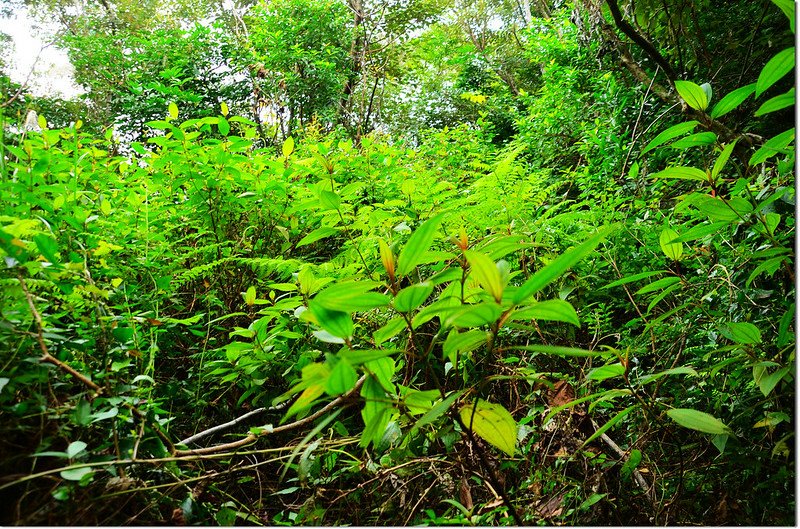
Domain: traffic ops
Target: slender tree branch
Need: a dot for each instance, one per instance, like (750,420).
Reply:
(251,437)
(640,41)
(47,357)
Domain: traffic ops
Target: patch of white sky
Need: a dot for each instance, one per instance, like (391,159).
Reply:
(35,59)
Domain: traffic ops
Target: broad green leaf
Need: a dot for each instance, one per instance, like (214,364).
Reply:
(722,159)
(605,372)
(718,209)
(694,140)
(561,264)
(375,413)
(700,231)
(47,246)
(288,147)
(75,474)
(682,173)
(732,100)
(342,379)
(788,7)
(223,126)
(634,277)
(173,110)
(418,402)
(316,235)
(250,296)
(659,284)
(684,370)
(463,342)
(329,200)
(672,132)
(325,336)
(548,310)
(419,243)
(775,69)
(492,423)
(698,420)
(103,415)
(768,383)
(75,448)
(473,315)
(412,296)
(437,411)
(336,322)
(673,250)
(693,94)
(351,296)
(361,356)
(773,146)
(391,329)
(741,332)
(558,350)
(776,103)
(486,273)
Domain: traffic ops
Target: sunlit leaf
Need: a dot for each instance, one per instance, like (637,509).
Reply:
(732,100)
(486,273)
(561,264)
(419,243)
(775,69)
(693,94)
(673,250)
(672,132)
(412,297)
(493,423)
(698,420)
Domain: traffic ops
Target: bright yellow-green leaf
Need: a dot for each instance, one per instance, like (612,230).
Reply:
(742,332)
(673,250)
(732,100)
(670,133)
(493,423)
(288,147)
(698,420)
(250,296)
(117,281)
(693,94)
(486,272)
(387,257)
(775,69)
(173,110)
(223,108)
(548,310)
(419,243)
(474,315)
(723,159)
(351,296)
(105,208)
(561,264)
(42,122)
(342,379)
(682,173)
(412,296)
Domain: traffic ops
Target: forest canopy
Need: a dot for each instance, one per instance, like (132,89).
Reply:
(401,262)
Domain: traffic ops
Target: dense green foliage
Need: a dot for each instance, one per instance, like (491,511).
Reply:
(473,269)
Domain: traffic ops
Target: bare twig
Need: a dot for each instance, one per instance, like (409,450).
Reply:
(269,430)
(230,424)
